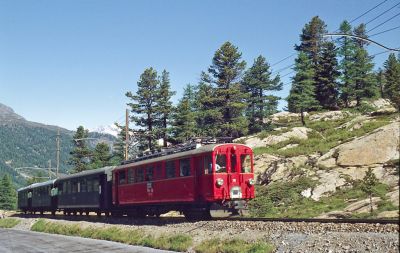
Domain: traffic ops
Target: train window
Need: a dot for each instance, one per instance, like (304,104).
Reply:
(60,187)
(95,185)
(207,164)
(170,169)
(220,163)
(122,177)
(140,175)
(233,162)
(157,172)
(83,185)
(149,173)
(89,185)
(184,167)
(131,176)
(74,186)
(245,162)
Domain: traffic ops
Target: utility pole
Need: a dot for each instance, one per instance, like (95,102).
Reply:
(49,169)
(126,133)
(58,151)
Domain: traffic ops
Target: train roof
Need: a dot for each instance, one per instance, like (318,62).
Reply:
(35,185)
(87,173)
(199,150)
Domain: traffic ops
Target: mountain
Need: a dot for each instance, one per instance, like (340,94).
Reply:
(25,143)
(109,129)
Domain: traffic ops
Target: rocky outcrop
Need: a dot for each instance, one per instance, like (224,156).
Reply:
(331,115)
(295,133)
(284,117)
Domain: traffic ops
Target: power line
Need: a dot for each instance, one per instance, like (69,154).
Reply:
(384,22)
(282,69)
(360,38)
(373,8)
(388,30)
(382,13)
(283,59)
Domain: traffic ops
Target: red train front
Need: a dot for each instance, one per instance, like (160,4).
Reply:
(190,181)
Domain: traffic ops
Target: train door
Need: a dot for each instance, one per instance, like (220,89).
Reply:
(234,179)
(197,172)
(115,188)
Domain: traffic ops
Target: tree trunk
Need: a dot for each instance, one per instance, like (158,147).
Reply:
(302,117)
(370,203)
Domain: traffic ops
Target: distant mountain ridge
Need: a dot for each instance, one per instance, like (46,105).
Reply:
(25,143)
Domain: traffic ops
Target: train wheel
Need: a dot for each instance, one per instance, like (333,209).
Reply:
(98,214)
(107,214)
(53,213)
(87,213)
(193,215)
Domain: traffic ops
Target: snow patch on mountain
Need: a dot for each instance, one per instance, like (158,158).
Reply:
(109,129)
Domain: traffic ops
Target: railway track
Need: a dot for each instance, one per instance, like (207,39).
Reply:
(230,218)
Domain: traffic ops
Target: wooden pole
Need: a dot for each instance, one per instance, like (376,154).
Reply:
(126,133)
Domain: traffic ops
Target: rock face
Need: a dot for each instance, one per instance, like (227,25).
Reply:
(284,117)
(331,115)
(379,147)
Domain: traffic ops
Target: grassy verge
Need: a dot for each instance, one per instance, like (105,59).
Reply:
(176,242)
(8,222)
(233,246)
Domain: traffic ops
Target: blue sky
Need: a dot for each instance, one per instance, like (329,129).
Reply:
(70,63)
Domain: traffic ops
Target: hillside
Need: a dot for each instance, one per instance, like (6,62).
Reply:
(316,170)
(28,144)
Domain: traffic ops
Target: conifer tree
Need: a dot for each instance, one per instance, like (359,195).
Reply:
(311,39)
(184,124)
(226,71)
(80,154)
(101,156)
(346,52)
(392,77)
(302,94)
(164,105)
(119,144)
(207,116)
(144,107)
(326,77)
(368,183)
(256,82)
(8,198)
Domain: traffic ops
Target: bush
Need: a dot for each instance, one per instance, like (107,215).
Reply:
(8,222)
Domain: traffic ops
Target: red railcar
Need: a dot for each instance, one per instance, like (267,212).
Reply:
(190,182)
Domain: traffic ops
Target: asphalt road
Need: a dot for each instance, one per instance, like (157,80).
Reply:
(18,241)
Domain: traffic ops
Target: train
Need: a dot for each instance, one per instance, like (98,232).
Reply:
(192,180)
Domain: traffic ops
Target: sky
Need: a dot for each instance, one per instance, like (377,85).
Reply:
(70,63)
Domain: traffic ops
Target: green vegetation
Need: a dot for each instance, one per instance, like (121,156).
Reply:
(325,136)
(8,222)
(177,242)
(8,196)
(284,199)
(233,246)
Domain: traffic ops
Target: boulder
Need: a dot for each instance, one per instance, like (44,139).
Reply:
(379,147)
(393,196)
(388,214)
(328,160)
(335,215)
(283,117)
(383,111)
(329,182)
(381,103)
(331,115)
(289,146)
(362,206)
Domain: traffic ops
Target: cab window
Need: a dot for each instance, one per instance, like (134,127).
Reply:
(140,175)
(184,167)
(245,161)
(220,163)
(207,164)
(131,176)
(149,174)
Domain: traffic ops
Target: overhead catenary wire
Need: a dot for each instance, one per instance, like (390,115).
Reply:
(388,30)
(383,22)
(368,11)
(384,12)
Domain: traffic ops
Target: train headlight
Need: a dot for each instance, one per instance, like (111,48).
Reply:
(251,181)
(220,182)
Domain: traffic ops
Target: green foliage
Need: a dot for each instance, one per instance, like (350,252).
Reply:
(368,184)
(9,222)
(164,105)
(8,196)
(38,177)
(256,82)
(176,242)
(184,124)
(144,106)
(392,78)
(101,156)
(233,246)
(80,155)
(226,70)
(302,94)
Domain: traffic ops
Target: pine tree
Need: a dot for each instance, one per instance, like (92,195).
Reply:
(302,94)
(392,77)
(327,74)
(8,198)
(207,116)
(381,82)
(346,52)
(311,39)
(184,126)
(101,156)
(368,183)
(256,82)
(164,105)
(144,107)
(80,154)
(226,71)
(119,145)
